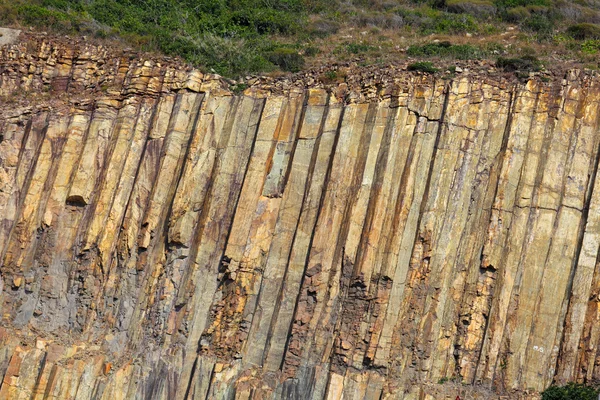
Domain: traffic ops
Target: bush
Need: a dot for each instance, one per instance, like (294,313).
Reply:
(450,23)
(194,30)
(229,57)
(311,51)
(379,20)
(330,77)
(323,28)
(39,16)
(584,31)
(445,49)
(517,3)
(480,8)
(423,66)
(571,391)
(428,21)
(526,63)
(590,46)
(357,48)
(238,88)
(286,59)
(538,23)
(516,14)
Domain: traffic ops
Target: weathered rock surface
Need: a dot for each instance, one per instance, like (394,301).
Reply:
(162,238)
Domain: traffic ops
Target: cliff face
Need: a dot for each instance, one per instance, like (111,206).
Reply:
(161,238)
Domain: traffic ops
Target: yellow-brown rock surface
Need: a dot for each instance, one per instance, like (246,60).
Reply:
(163,238)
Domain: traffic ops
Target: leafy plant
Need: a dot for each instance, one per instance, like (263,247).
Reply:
(527,63)
(479,8)
(357,48)
(445,49)
(227,56)
(231,37)
(517,3)
(590,46)
(584,31)
(571,391)
(287,59)
(423,66)
(238,88)
(428,20)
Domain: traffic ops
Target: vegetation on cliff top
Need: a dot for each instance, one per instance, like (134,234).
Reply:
(235,37)
(571,391)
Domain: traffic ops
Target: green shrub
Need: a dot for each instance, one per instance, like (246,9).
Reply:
(584,31)
(527,63)
(517,3)
(479,8)
(378,19)
(286,59)
(423,66)
(192,29)
(538,23)
(35,15)
(311,51)
(330,77)
(590,46)
(357,48)
(227,56)
(238,88)
(445,49)
(571,391)
(323,28)
(428,21)
(450,23)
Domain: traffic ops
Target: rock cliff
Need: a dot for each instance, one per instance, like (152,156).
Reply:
(164,238)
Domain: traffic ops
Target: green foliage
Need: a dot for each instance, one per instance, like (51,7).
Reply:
(429,21)
(352,48)
(229,36)
(323,27)
(287,59)
(236,37)
(584,31)
(36,15)
(227,56)
(535,17)
(478,8)
(517,3)
(527,63)
(238,88)
(311,51)
(447,50)
(452,23)
(357,48)
(539,23)
(331,76)
(423,66)
(571,391)
(590,46)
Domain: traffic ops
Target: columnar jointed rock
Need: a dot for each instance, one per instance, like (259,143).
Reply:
(163,238)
